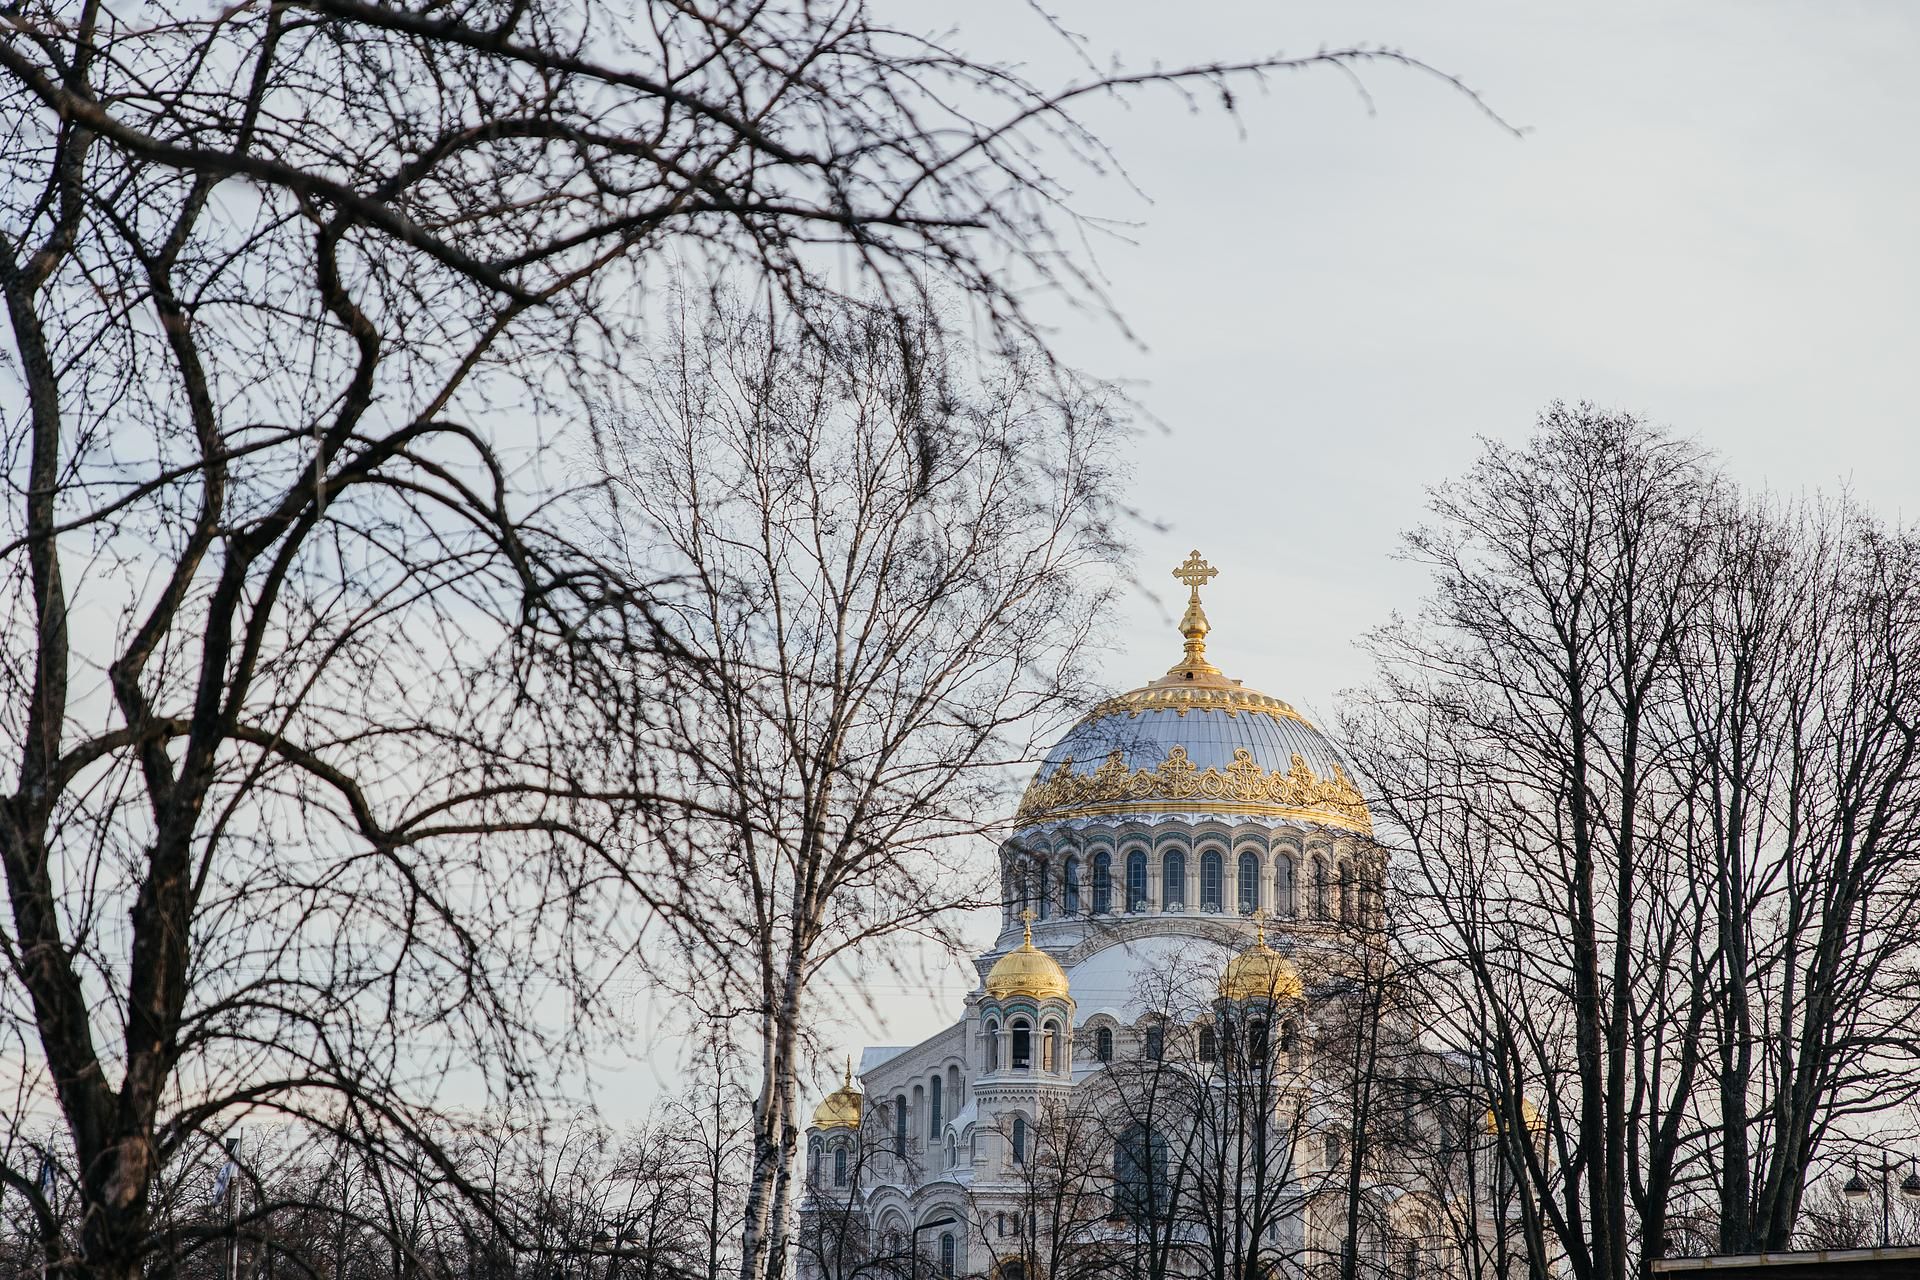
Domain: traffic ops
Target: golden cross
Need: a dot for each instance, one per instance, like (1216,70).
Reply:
(1027,917)
(1260,926)
(1195,572)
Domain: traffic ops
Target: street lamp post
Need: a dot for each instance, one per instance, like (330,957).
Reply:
(1858,1187)
(913,1243)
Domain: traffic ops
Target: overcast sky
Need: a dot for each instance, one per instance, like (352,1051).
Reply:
(1710,221)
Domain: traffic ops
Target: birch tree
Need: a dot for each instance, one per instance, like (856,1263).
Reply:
(889,564)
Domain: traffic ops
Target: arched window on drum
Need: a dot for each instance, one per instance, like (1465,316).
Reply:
(1283,885)
(1070,891)
(1249,885)
(1173,882)
(1137,881)
(1319,887)
(1102,883)
(1211,874)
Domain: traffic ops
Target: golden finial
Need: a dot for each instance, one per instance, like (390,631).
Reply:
(1195,573)
(1027,918)
(848,1078)
(1260,926)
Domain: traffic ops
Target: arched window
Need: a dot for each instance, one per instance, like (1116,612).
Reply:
(1257,1041)
(1289,1038)
(1019,1139)
(1102,883)
(933,1107)
(1022,1045)
(1331,1150)
(1346,894)
(1173,882)
(1026,889)
(1013,1268)
(1156,1042)
(956,1092)
(1209,1045)
(1210,877)
(1411,1268)
(1136,881)
(900,1125)
(953,1152)
(1000,1224)
(1050,1048)
(1070,899)
(1103,1044)
(1139,1173)
(1009,895)
(1283,885)
(813,1157)
(839,1166)
(1319,888)
(1042,897)
(1249,885)
(947,1251)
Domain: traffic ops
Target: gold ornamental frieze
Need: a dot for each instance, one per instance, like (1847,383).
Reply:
(1243,786)
(1181,699)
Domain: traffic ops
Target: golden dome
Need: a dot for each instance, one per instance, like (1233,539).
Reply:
(1027,971)
(1260,973)
(1196,741)
(1529,1113)
(841,1108)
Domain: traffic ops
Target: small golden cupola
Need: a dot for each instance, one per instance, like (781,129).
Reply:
(1260,972)
(841,1108)
(1027,971)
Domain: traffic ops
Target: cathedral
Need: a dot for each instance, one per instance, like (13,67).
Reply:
(1180,1058)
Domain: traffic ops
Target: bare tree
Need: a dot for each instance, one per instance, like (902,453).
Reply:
(1644,743)
(1803,793)
(1052,1210)
(890,567)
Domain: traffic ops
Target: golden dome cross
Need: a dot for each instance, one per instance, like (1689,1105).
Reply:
(1196,573)
(1193,623)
